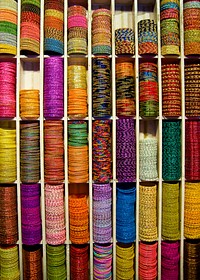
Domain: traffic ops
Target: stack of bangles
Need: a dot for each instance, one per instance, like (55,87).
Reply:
(78,219)
(101,87)
(77,91)
(78,158)
(191,259)
(79,257)
(55,214)
(192,210)
(147,37)
(171,150)
(56,262)
(53,87)
(148,151)
(125,89)
(31,217)
(191,15)
(8,27)
(29,104)
(9,264)
(101,32)
(8,214)
(53,152)
(77,30)
(7,89)
(29,152)
(101,152)
(30,26)
(149,100)
(125,213)
(171,90)
(54,26)
(8,155)
(192,150)
(124,41)
(32,262)
(148,263)
(170,258)
(170,34)
(102,217)
(125,261)
(171,211)
(148,230)
(126,150)
(192,90)
(102,261)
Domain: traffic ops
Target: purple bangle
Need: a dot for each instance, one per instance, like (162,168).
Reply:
(53,88)
(31,217)
(102,218)
(126,153)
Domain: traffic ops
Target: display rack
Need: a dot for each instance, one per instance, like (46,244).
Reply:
(30,74)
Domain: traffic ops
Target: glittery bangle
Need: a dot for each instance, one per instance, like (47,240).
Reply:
(7,89)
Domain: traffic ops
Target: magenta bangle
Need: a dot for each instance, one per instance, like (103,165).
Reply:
(77,21)
(170,260)
(7,89)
